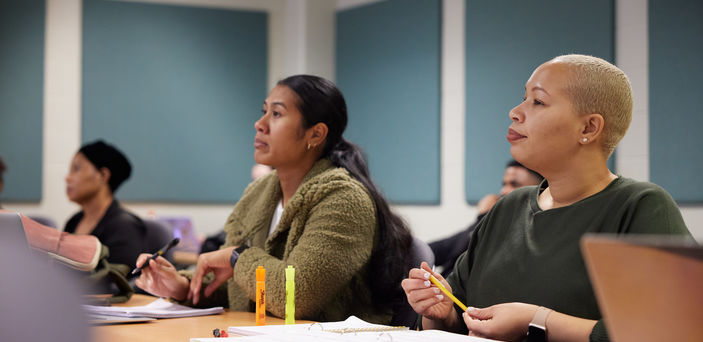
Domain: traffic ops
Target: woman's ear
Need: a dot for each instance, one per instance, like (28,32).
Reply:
(105,175)
(593,125)
(318,134)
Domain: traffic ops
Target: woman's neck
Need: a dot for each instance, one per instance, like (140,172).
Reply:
(94,209)
(291,178)
(568,187)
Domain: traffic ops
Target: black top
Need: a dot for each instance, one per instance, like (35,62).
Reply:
(121,231)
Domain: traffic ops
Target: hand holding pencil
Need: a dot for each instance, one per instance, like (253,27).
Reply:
(429,297)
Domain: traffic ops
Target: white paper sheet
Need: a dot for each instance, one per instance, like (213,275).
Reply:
(159,308)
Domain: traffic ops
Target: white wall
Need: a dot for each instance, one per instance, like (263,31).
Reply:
(301,40)
(632,55)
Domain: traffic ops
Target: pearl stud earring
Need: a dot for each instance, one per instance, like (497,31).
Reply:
(584,139)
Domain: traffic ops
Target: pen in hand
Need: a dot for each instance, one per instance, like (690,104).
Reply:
(161,251)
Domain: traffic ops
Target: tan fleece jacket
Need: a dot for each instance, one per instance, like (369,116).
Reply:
(327,232)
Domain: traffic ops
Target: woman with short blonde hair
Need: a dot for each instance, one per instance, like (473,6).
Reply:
(524,264)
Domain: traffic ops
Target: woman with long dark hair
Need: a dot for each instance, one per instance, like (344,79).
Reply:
(319,211)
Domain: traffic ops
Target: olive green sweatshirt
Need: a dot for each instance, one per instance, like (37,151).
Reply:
(520,253)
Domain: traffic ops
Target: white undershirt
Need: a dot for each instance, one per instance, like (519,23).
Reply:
(276,216)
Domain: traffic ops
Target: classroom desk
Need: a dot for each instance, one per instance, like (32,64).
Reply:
(173,329)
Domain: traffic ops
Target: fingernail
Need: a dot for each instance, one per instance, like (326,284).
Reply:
(436,290)
(427,283)
(470,309)
(440,297)
(427,276)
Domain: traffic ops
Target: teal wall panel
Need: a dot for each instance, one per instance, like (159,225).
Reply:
(22,98)
(388,67)
(178,89)
(505,41)
(675,88)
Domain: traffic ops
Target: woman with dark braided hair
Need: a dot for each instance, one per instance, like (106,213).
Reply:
(319,211)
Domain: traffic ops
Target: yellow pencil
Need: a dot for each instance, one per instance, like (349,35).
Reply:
(446,292)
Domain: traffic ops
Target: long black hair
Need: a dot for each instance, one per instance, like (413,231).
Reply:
(319,100)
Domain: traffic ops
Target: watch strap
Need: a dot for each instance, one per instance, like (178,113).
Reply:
(235,254)
(537,329)
(241,249)
(540,317)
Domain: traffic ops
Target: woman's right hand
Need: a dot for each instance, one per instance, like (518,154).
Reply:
(162,279)
(425,298)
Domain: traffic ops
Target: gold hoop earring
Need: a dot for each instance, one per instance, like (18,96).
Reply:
(308,146)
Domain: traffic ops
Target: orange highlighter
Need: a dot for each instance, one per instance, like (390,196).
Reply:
(260,296)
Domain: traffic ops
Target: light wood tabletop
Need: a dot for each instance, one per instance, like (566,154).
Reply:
(173,329)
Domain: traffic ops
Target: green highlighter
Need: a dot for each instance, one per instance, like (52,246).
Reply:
(290,295)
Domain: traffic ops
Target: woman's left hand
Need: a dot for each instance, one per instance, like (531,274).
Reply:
(505,322)
(218,263)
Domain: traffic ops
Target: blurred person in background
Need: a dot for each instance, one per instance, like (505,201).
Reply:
(447,251)
(97,171)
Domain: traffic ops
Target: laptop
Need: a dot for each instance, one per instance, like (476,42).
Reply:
(182,228)
(12,229)
(649,288)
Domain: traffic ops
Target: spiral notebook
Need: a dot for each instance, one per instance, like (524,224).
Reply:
(351,329)
(390,336)
(351,324)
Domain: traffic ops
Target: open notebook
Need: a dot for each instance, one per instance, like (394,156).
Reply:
(649,288)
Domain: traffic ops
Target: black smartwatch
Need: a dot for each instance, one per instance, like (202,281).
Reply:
(235,254)
(537,330)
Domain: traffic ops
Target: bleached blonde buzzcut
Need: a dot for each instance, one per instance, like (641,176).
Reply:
(597,86)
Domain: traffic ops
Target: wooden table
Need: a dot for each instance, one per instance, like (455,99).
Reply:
(173,329)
